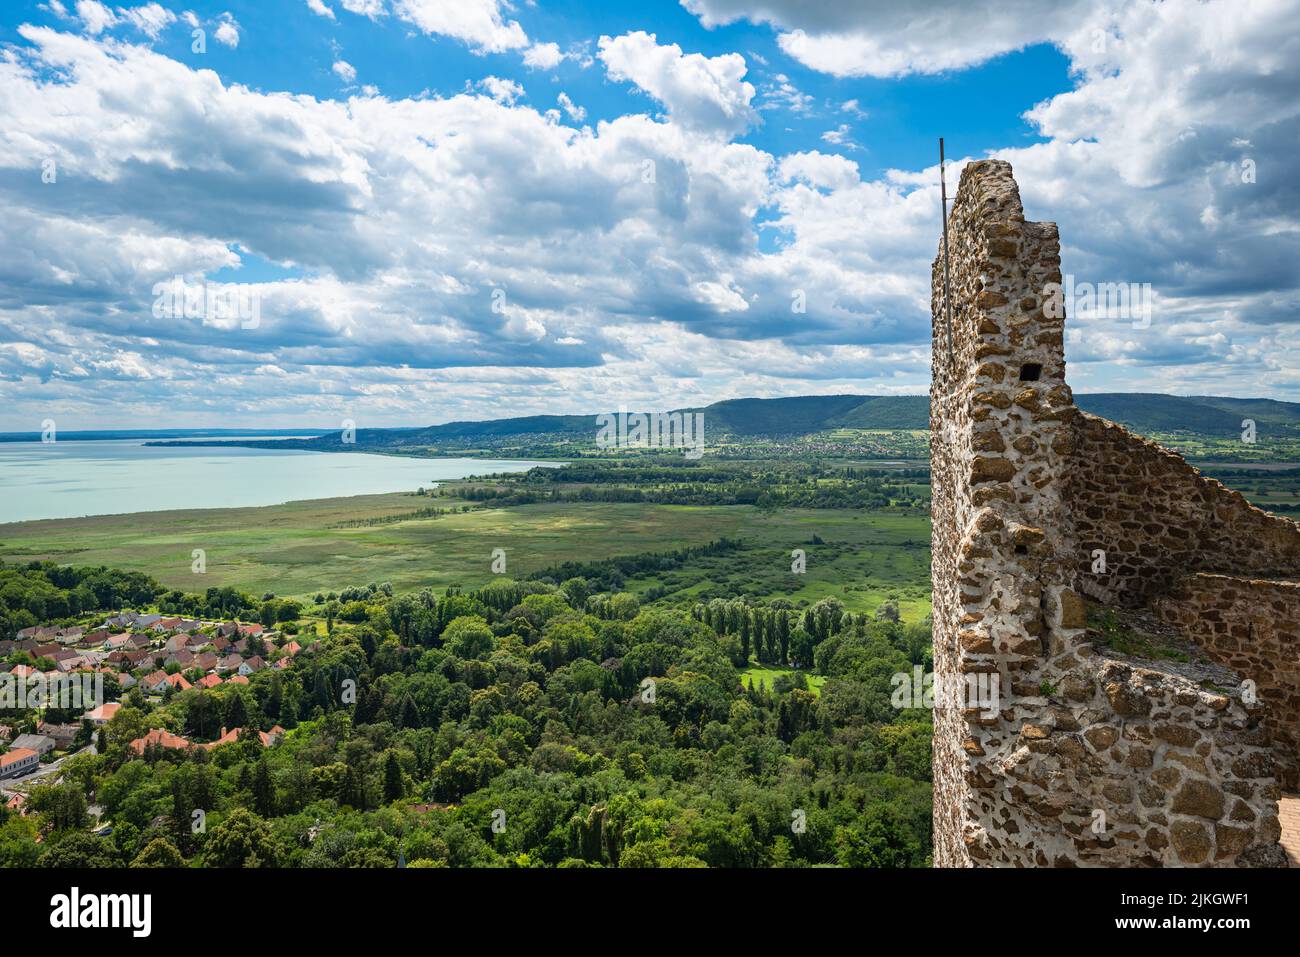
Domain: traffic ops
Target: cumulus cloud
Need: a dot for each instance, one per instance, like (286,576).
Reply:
(227,31)
(884,38)
(503,91)
(468,255)
(345,71)
(575,112)
(150,19)
(543,56)
(320,8)
(703,93)
(478,23)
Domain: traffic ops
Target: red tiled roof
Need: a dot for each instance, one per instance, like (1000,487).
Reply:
(17,754)
(160,738)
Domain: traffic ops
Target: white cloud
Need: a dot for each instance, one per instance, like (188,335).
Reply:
(96,17)
(478,23)
(543,56)
(702,93)
(227,31)
(782,94)
(150,19)
(840,136)
(628,252)
(374,9)
(345,71)
(885,38)
(503,91)
(319,8)
(575,112)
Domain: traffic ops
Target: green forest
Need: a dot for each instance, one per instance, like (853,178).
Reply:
(528,723)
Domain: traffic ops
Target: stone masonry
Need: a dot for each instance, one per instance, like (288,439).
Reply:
(1051,749)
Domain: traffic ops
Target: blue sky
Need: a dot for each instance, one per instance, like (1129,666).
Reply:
(413,211)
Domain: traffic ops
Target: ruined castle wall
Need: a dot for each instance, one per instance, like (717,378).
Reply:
(1077,757)
(1156,519)
(999,437)
(1252,627)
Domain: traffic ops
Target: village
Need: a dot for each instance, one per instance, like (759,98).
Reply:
(157,654)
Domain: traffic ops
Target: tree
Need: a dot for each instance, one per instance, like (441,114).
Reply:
(263,789)
(468,637)
(242,840)
(393,788)
(64,805)
(159,852)
(80,849)
(236,711)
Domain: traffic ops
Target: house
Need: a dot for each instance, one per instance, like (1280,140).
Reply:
(252,665)
(126,681)
(237,680)
(70,664)
(184,658)
(282,663)
(176,642)
(103,714)
(291,648)
(140,642)
(63,734)
(40,743)
(68,636)
(188,625)
(159,738)
(17,802)
(228,629)
(23,671)
(46,650)
(251,630)
(159,681)
(230,663)
(221,643)
(209,681)
(206,661)
(231,736)
(197,640)
(165,624)
(118,642)
(132,619)
(18,761)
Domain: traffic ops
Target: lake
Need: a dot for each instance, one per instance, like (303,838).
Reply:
(72,479)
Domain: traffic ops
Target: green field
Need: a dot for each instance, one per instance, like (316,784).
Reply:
(298,549)
(767,674)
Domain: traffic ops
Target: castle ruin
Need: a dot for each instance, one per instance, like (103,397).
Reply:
(1047,520)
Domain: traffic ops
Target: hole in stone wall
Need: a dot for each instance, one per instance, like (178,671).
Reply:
(1031,371)
(1022,549)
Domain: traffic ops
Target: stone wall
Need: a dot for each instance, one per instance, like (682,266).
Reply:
(1252,627)
(1048,750)
(1156,519)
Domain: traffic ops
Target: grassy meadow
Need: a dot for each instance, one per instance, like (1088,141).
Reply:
(301,548)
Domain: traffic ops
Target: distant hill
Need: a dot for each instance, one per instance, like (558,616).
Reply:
(1145,413)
